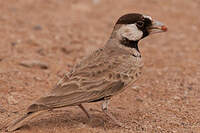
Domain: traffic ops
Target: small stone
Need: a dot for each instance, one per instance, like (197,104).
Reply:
(37,27)
(12,100)
(16,42)
(41,52)
(177,98)
(139,100)
(66,51)
(189,88)
(34,63)
(38,78)
(13,43)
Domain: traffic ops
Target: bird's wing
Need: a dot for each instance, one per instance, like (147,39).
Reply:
(99,75)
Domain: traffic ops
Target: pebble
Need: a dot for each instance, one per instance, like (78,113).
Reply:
(34,63)
(12,100)
(37,27)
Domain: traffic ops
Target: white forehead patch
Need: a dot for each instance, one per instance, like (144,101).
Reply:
(145,16)
(131,32)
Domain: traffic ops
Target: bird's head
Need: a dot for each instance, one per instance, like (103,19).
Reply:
(136,26)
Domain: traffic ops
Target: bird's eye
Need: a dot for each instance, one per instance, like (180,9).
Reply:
(140,24)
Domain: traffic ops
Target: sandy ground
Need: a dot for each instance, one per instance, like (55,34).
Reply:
(57,33)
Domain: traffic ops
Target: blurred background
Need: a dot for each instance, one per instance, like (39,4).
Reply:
(40,40)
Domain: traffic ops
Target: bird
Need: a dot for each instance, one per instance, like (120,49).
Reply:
(103,74)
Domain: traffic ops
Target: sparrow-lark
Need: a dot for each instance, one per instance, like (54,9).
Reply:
(101,75)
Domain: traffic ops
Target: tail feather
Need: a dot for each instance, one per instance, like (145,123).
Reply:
(22,121)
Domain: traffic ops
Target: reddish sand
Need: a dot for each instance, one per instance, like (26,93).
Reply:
(57,33)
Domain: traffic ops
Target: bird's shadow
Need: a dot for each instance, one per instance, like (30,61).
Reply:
(69,119)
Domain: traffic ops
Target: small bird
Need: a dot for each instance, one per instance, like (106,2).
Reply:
(101,75)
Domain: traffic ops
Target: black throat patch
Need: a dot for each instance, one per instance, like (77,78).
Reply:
(130,43)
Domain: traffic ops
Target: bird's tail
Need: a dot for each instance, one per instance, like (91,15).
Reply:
(22,121)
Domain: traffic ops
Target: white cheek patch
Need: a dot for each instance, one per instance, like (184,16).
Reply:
(131,32)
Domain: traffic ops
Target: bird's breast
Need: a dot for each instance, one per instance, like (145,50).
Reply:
(135,69)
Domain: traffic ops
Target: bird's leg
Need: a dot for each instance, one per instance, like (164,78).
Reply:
(84,110)
(105,110)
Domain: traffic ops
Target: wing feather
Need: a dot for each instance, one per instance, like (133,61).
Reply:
(92,79)
(75,98)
